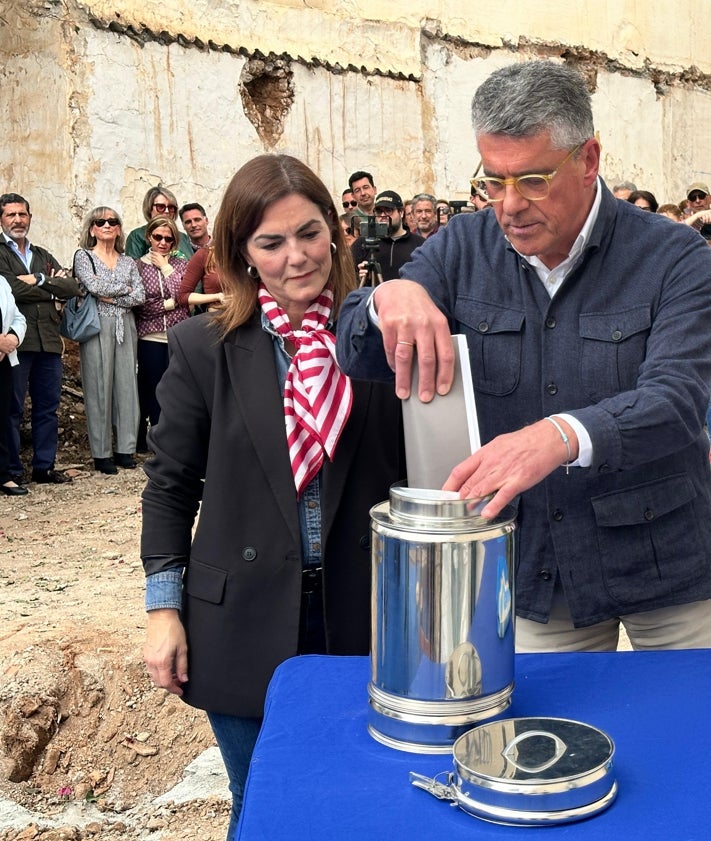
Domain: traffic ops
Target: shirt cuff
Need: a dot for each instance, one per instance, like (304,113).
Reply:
(372,314)
(585,450)
(164,589)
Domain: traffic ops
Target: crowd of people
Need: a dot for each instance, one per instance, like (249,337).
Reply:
(276,413)
(142,285)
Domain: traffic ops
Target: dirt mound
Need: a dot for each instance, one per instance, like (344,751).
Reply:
(86,741)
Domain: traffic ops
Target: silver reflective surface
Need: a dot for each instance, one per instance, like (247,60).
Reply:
(443,622)
(529,771)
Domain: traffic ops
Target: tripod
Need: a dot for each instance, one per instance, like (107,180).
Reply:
(373,273)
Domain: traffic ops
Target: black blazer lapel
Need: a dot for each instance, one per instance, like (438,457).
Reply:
(249,354)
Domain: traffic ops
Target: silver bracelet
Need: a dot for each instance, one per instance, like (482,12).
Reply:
(566,441)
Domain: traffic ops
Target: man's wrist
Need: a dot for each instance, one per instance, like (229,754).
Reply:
(39,278)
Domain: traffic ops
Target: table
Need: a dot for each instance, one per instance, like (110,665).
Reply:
(317,774)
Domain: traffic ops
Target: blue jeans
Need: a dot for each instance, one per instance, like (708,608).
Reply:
(235,737)
(41,372)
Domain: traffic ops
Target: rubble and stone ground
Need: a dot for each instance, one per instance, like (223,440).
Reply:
(87,744)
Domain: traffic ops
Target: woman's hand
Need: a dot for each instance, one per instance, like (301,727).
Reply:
(159,260)
(165,651)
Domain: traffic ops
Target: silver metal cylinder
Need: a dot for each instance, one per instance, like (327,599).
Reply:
(442,648)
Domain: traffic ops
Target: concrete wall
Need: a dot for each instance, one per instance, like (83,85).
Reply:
(100,100)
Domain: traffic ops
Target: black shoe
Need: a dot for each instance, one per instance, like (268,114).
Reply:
(13,490)
(49,477)
(105,465)
(125,460)
(17,478)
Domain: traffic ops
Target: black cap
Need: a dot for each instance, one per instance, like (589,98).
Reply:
(388,198)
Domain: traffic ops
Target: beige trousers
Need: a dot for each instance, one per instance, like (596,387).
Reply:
(682,626)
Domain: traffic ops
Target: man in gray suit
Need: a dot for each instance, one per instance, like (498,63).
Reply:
(587,324)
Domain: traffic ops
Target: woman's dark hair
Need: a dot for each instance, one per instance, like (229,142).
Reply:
(646,196)
(255,187)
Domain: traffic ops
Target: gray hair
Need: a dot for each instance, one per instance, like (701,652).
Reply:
(523,100)
(625,185)
(424,197)
(88,240)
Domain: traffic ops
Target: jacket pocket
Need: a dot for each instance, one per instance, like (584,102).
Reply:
(495,338)
(205,582)
(613,346)
(649,539)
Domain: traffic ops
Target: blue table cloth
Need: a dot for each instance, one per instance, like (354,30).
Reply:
(317,774)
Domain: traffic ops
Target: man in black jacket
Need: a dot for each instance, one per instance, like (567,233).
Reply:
(394,249)
(39,285)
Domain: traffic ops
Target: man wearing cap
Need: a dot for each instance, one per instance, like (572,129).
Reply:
(699,208)
(394,249)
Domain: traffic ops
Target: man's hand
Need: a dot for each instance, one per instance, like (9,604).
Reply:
(411,323)
(512,463)
(8,343)
(166,650)
(29,279)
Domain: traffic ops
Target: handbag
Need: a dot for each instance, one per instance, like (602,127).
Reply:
(80,317)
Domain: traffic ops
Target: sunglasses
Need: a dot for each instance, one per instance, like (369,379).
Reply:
(161,238)
(347,204)
(163,208)
(697,196)
(100,223)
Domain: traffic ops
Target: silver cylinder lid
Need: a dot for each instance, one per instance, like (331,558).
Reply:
(529,771)
(421,508)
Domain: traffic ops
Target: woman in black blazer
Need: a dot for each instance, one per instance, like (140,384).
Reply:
(286,454)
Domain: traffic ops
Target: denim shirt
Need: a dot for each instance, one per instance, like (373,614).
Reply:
(164,589)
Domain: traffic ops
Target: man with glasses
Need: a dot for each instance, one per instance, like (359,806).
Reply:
(348,201)
(394,249)
(699,217)
(158,201)
(587,325)
(40,285)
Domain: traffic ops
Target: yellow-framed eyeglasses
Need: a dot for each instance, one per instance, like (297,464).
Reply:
(533,187)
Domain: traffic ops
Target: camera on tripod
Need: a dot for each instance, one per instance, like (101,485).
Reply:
(373,231)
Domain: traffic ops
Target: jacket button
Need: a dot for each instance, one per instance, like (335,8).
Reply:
(249,553)
(545,575)
(616,335)
(648,515)
(482,327)
(550,322)
(604,468)
(552,388)
(557,515)
(364,541)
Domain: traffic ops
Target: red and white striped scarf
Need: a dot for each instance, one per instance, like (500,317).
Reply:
(317,394)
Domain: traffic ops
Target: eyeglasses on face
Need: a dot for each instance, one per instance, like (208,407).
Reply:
(385,211)
(697,196)
(347,204)
(164,208)
(100,223)
(161,238)
(533,187)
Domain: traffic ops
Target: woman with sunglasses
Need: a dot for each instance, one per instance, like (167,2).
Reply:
(108,360)
(158,201)
(161,270)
